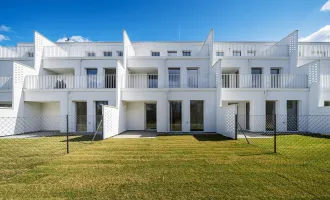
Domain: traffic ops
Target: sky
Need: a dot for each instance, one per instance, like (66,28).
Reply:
(164,20)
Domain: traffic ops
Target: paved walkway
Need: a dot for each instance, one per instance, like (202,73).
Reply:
(137,134)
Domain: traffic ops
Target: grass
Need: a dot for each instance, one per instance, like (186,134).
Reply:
(168,167)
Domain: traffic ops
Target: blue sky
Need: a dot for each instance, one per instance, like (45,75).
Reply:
(238,20)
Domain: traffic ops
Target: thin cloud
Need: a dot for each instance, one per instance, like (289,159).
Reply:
(5,28)
(322,35)
(326,7)
(74,39)
(3,38)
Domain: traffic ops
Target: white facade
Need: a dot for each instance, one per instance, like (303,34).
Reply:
(50,79)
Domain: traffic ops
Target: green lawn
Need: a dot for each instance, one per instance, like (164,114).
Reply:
(168,167)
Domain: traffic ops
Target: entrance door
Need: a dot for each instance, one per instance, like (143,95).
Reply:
(151,116)
(196,115)
(175,116)
(98,115)
(91,78)
(247,115)
(275,78)
(110,78)
(81,116)
(292,115)
(270,113)
(256,77)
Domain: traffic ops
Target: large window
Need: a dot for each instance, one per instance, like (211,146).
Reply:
(237,53)
(91,78)
(174,80)
(151,116)
(251,53)
(98,114)
(186,53)
(220,53)
(196,115)
(107,53)
(192,78)
(155,53)
(256,77)
(90,54)
(172,53)
(175,116)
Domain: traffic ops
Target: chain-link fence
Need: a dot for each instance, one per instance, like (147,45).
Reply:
(26,142)
(304,138)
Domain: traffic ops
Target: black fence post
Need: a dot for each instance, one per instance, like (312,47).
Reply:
(67,134)
(275,130)
(236,122)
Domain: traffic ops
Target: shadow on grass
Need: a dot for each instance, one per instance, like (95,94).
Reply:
(83,138)
(211,137)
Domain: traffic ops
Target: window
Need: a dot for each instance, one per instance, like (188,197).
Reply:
(120,53)
(90,54)
(155,53)
(220,53)
(251,52)
(186,53)
(5,105)
(326,103)
(174,78)
(236,53)
(171,53)
(107,53)
(30,54)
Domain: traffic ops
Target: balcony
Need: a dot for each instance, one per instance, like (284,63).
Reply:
(314,50)
(325,81)
(251,50)
(58,82)
(265,81)
(189,81)
(6,83)
(106,51)
(17,52)
(142,81)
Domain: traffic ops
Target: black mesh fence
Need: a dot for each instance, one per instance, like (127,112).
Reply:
(298,140)
(26,142)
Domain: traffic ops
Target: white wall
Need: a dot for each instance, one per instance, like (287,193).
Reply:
(135,115)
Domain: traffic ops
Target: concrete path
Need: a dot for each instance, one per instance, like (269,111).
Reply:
(137,134)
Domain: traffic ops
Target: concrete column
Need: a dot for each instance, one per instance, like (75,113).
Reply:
(161,77)
(162,114)
(183,77)
(186,116)
(90,116)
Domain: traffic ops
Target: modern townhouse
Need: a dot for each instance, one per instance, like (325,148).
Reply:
(169,87)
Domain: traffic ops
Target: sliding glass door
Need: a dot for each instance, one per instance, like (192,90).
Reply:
(196,115)
(175,116)
(292,115)
(151,116)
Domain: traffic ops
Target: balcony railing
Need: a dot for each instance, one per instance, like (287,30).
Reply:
(6,83)
(70,82)
(313,50)
(142,81)
(264,81)
(16,52)
(251,50)
(83,51)
(325,81)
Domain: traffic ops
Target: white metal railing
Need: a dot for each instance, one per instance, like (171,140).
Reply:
(325,81)
(313,50)
(264,81)
(174,81)
(83,51)
(6,83)
(69,82)
(17,52)
(194,81)
(142,81)
(252,50)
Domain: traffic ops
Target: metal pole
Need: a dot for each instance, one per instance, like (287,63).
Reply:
(236,121)
(67,134)
(275,133)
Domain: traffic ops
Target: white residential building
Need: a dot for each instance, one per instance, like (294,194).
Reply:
(164,86)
